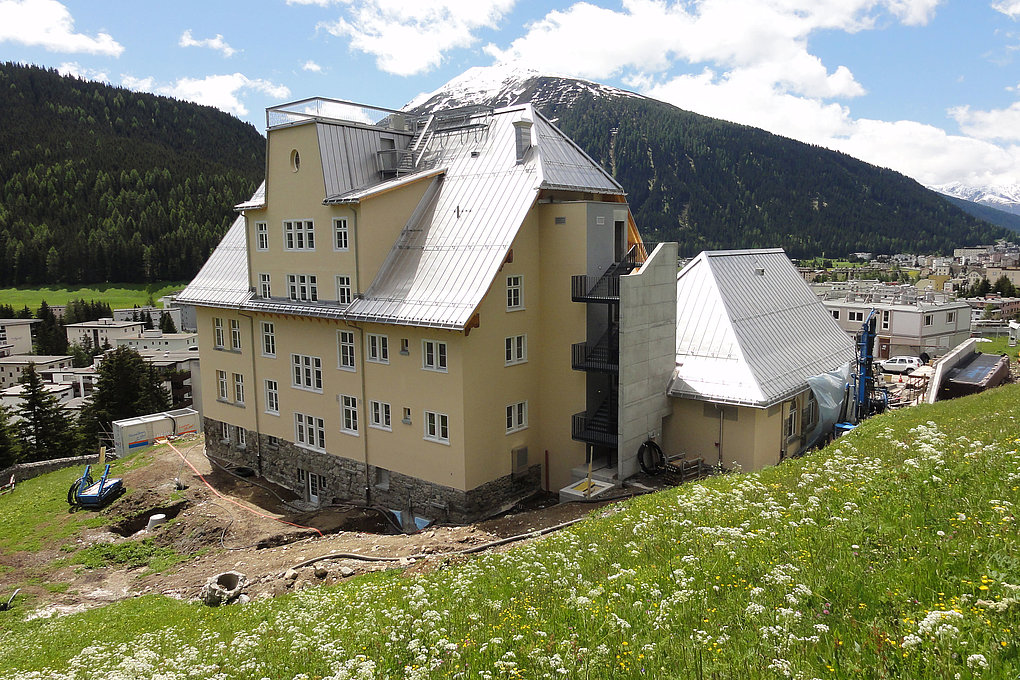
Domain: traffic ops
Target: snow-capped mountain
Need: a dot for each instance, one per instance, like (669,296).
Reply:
(506,84)
(1004,197)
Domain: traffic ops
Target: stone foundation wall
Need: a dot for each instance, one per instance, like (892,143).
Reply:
(344,480)
(23,471)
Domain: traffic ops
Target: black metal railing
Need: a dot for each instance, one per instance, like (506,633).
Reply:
(599,428)
(605,288)
(602,356)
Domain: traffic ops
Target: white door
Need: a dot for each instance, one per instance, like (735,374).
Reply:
(313,488)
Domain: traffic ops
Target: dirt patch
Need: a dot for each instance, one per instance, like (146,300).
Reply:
(247,525)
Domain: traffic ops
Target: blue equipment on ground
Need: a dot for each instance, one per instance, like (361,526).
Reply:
(86,493)
(865,399)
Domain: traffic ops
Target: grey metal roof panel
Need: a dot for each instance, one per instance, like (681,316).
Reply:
(348,154)
(356,195)
(565,166)
(223,279)
(257,200)
(750,338)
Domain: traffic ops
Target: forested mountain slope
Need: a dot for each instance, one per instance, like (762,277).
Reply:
(710,184)
(100,183)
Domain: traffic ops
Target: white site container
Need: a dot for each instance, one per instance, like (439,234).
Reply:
(133,433)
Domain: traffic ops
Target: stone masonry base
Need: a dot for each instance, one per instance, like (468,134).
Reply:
(345,480)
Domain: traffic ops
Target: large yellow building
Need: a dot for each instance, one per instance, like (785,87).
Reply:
(437,315)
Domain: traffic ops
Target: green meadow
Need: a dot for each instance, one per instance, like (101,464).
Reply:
(117,295)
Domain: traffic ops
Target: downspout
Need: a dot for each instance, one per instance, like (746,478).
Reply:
(254,392)
(721,412)
(357,247)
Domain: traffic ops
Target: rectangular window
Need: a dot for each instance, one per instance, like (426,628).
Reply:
(379,415)
(221,386)
(348,414)
(265,289)
(405,347)
(272,397)
(340,241)
(298,235)
(242,437)
(950,317)
(514,292)
(345,350)
(378,348)
(516,416)
(235,334)
(309,431)
(516,350)
(407,416)
(790,426)
(433,355)
(307,373)
(302,287)
(855,316)
(929,319)
(343,290)
(238,388)
(224,433)
(835,314)
(886,316)
(437,427)
(261,236)
(268,339)
(218,332)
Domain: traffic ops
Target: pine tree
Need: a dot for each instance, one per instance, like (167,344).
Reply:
(148,321)
(9,444)
(44,427)
(166,323)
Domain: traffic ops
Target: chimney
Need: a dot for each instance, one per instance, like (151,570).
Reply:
(522,134)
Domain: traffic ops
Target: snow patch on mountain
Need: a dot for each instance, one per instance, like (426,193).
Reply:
(1002,197)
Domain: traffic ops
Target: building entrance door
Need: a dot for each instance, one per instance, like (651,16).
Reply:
(883,347)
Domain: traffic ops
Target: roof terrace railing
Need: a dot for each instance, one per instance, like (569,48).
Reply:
(324,108)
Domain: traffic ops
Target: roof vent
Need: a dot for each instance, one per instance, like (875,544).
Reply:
(522,133)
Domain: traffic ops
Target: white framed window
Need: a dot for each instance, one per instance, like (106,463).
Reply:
(516,416)
(307,372)
(514,292)
(272,397)
(433,355)
(235,334)
(222,387)
(343,290)
(886,317)
(298,235)
(809,414)
(268,339)
(242,437)
(345,350)
(348,414)
(516,350)
(302,287)
(854,316)
(218,337)
(224,433)
(261,236)
(790,425)
(835,314)
(929,319)
(309,432)
(265,287)
(340,235)
(379,415)
(238,388)
(437,427)
(950,317)
(378,348)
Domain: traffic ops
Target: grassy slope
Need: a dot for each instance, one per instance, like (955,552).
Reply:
(892,553)
(118,295)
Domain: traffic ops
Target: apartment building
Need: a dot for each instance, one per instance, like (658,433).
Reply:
(102,332)
(431,314)
(16,336)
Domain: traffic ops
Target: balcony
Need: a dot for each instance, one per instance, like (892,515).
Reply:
(606,288)
(598,428)
(602,356)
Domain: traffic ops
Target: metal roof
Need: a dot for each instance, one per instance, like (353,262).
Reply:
(223,279)
(750,331)
(257,200)
(565,166)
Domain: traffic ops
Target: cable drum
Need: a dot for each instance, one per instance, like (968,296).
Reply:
(650,458)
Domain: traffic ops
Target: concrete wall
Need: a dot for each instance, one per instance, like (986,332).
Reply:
(647,352)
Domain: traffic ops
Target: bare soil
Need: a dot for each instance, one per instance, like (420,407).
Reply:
(228,523)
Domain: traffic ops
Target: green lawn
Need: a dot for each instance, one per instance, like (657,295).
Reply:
(893,553)
(117,295)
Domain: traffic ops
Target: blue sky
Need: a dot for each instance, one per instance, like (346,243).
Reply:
(927,87)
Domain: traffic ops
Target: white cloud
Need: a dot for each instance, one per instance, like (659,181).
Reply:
(137,84)
(73,68)
(412,38)
(49,24)
(217,43)
(1010,8)
(222,91)
(311,66)
(1001,124)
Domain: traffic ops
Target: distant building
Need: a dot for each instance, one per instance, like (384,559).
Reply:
(138,314)
(16,336)
(1012,274)
(157,340)
(13,397)
(993,307)
(102,332)
(12,366)
(180,368)
(908,322)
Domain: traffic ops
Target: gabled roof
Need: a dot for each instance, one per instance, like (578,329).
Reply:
(223,279)
(750,331)
(452,246)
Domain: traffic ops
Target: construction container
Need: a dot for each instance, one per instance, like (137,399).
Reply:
(133,433)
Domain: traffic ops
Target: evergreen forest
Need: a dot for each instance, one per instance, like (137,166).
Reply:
(103,184)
